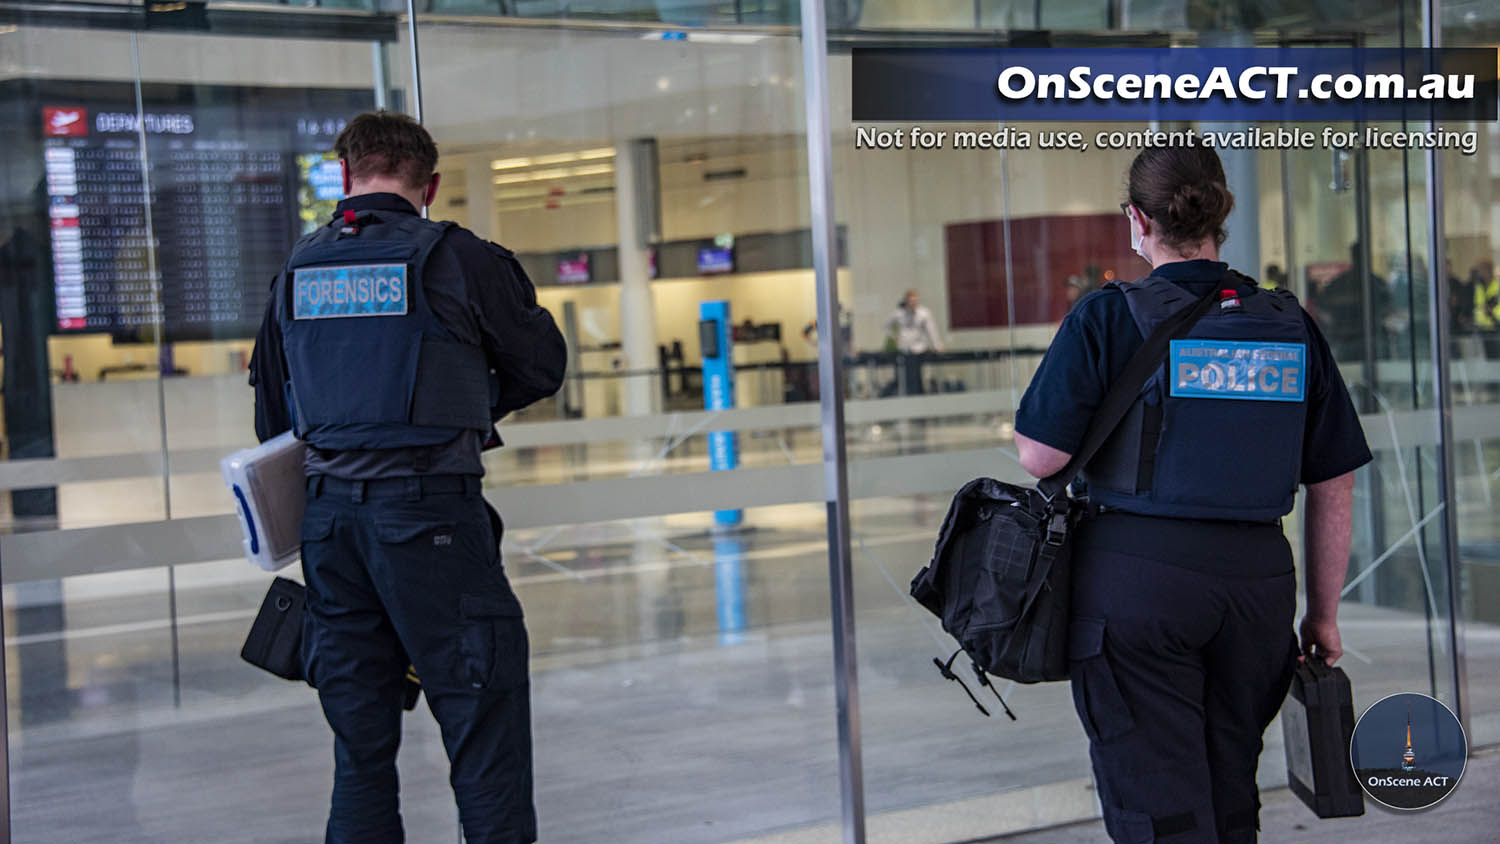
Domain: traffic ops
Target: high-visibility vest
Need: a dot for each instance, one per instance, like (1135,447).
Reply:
(1487,305)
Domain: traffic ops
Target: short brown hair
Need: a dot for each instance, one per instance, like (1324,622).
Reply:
(382,143)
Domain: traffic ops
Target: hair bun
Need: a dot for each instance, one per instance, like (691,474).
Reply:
(1198,209)
(1184,190)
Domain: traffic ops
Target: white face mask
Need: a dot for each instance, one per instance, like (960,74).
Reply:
(1136,237)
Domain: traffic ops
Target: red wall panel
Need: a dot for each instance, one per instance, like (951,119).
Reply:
(1044,252)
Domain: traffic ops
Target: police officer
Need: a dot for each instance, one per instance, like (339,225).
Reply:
(391,345)
(1181,645)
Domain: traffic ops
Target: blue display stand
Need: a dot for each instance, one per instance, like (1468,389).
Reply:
(714,340)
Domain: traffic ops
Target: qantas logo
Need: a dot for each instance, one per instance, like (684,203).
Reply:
(65,122)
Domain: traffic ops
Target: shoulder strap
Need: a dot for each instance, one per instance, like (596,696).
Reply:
(1122,393)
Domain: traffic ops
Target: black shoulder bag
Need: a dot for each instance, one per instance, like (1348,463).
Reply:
(999,576)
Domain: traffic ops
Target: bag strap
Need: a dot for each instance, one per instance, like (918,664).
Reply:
(1122,393)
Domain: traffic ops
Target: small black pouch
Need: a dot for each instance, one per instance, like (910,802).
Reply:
(275,639)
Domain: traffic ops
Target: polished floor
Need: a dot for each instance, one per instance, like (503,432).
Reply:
(1467,815)
(682,693)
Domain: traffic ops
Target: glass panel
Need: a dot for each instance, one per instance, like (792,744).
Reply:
(655,192)
(126,671)
(79,320)
(1471,228)
(997,246)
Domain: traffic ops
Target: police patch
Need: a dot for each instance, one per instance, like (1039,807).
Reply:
(1232,369)
(349,291)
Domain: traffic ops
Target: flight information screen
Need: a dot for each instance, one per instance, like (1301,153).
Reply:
(234,176)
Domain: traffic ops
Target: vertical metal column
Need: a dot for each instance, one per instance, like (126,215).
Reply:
(158,326)
(4,737)
(379,73)
(416,103)
(1432,38)
(831,399)
(416,68)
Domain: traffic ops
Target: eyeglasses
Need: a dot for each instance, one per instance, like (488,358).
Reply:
(1125,209)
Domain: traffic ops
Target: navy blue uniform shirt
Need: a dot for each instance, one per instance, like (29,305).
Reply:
(479,291)
(1094,343)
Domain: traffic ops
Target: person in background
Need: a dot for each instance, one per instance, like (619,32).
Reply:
(1487,307)
(912,327)
(1460,303)
(913,332)
(846,330)
(1181,646)
(391,345)
(1340,309)
(1275,278)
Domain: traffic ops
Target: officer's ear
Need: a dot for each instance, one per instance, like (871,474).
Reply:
(432,187)
(344,172)
(1141,220)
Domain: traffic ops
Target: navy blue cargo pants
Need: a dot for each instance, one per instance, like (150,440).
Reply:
(1176,674)
(408,570)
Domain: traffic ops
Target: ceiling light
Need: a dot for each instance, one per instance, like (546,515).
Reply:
(555,158)
(548,175)
(512,178)
(509,163)
(593,170)
(598,152)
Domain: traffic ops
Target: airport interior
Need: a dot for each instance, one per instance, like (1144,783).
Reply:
(648,162)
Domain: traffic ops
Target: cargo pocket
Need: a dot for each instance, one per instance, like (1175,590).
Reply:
(493,646)
(316,527)
(1127,827)
(1096,696)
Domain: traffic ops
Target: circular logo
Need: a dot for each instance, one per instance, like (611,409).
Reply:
(1408,751)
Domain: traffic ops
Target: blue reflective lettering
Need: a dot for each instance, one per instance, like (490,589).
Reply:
(349,291)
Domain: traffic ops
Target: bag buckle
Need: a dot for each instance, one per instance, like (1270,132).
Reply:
(1057,528)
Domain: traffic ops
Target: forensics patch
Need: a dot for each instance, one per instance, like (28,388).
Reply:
(1231,369)
(349,291)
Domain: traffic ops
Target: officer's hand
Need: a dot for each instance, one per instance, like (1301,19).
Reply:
(1321,638)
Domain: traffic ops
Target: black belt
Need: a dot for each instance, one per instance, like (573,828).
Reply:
(412,488)
(1092,509)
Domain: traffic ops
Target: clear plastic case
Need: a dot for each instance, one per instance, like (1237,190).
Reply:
(270,494)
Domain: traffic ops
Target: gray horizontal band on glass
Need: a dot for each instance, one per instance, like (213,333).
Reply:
(76,551)
(1412,428)
(65,553)
(29,474)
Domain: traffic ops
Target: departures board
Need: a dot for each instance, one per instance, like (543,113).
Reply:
(234,176)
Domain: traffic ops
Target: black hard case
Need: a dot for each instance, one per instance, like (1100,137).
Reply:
(1317,721)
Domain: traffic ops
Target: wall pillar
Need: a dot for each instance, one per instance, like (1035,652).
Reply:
(638,219)
(479,193)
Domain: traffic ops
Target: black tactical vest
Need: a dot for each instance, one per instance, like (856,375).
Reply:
(368,363)
(1217,432)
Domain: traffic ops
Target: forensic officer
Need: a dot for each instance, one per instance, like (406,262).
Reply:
(391,345)
(1181,646)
